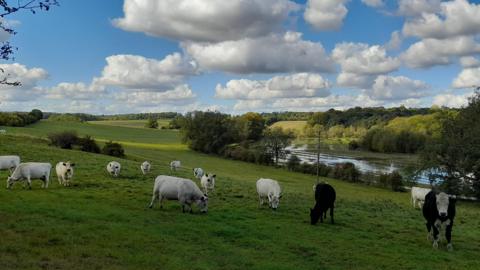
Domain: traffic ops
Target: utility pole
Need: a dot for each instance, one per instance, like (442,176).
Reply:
(318,154)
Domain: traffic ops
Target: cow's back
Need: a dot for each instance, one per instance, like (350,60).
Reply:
(325,195)
(429,209)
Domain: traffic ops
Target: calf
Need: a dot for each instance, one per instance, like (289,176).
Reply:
(183,190)
(208,182)
(64,172)
(418,196)
(175,165)
(114,168)
(198,173)
(324,199)
(29,171)
(9,162)
(439,210)
(270,189)
(145,167)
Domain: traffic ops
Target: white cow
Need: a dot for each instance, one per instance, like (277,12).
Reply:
(64,172)
(175,165)
(208,182)
(270,189)
(9,162)
(183,190)
(113,168)
(198,173)
(418,196)
(145,167)
(29,171)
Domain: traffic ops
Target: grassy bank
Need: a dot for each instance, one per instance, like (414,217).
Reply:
(102,223)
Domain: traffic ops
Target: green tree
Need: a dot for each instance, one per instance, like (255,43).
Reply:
(457,152)
(276,140)
(152,123)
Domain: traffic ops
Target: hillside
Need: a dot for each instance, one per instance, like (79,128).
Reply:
(102,222)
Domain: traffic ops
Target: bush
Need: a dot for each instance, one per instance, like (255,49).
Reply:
(346,171)
(65,139)
(396,181)
(152,123)
(113,149)
(88,144)
(293,163)
(353,145)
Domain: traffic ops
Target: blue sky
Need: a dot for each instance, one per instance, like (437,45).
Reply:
(243,55)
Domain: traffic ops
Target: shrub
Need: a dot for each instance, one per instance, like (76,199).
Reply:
(346,171)
(293,163)
(152,123)
(396,181)
(88,144)
(353,145)
(113,149)
(65,139)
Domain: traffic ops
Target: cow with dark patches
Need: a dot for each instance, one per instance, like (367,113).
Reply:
(439,211)
(324,200)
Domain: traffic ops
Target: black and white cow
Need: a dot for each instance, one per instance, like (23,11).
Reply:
(439,211)
(324,199)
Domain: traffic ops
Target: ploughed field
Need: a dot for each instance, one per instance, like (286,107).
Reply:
(103,223)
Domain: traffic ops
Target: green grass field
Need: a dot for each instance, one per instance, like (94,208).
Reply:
(103,223)
(130,123)
(296,126)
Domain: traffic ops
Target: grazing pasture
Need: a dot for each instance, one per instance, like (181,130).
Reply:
(296,126)
(101,222)
(130,123)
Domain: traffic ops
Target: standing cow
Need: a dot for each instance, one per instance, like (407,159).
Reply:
(183,190)
(64,172)
(324,199)
(145,167)
(269,189)
(114,168)
(208,182)
(175,165)
(31,170)
(9,162)
(439,210)
(198,173)
(418,196)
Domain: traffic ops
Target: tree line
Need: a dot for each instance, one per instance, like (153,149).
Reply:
(20,119)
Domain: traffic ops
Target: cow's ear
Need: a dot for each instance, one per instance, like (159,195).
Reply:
(64,164)
(281,195)
(72,164)
(214,175)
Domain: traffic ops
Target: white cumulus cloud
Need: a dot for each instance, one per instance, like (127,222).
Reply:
(469,77)
(205,21)
(326,14)
(29,79)
(270,54)
(397,88)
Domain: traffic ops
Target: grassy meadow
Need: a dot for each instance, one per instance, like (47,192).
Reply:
(103,223)
(296,126)
(130,123)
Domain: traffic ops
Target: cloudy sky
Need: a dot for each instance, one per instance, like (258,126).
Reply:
(243,55)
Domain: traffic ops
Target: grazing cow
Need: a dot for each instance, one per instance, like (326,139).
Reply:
(418,196)
(439,211)
(145,167)
(270,189)
(64,172)
(183,190)
(175,165)
(9,162)
(208,182)
(198,173)
(29,171)
(113,168)
(324,199)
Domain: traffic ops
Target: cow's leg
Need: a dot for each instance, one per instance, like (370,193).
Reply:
(154,197)
(60,181)
(47,179)
(429,231)
(331,214)
(435,236)
(29,182)
(448,235)
(260,200)
(321,216)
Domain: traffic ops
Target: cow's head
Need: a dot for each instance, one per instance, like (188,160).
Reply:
(210,178)
(442,204)
(10,181)
(274,201)
(203,204)
(314,216)
(68,167)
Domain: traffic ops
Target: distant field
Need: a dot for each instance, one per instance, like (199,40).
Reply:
(103,223)
(129,123)
(293,125)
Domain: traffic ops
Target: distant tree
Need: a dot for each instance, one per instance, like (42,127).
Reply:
(113,149)
(251,126)
(276,140)
(151,123)
(457,152)
(8,8)
(37,114)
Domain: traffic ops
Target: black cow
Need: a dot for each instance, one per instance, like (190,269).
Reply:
(324,199)
(438,210)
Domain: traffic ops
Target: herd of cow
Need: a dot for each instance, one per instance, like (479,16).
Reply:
(438,208)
